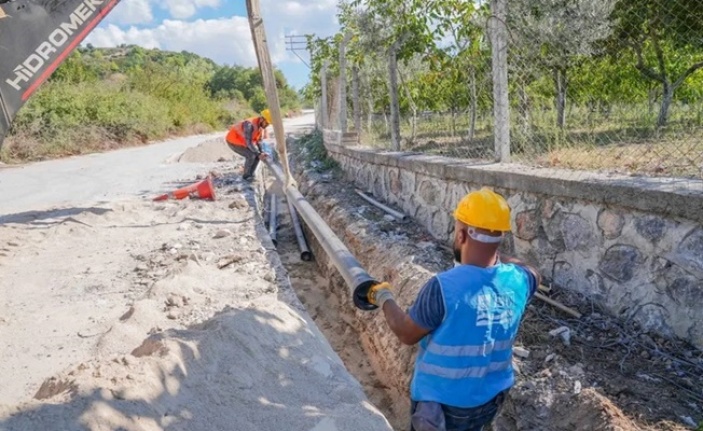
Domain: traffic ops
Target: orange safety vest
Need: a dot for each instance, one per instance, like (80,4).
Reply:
(236,135)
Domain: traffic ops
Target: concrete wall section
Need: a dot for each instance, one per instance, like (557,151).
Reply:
(633,245)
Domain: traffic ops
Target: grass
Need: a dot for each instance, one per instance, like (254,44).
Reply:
(315,154)
(622,141)
(65,119)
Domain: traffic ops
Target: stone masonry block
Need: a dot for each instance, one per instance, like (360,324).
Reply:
(651,228)
(578,233)
(431,191)
(527,225)
(610,223)
(621,262)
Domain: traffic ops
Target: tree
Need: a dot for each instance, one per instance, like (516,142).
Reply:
(665,37)
(258,100)
(403,30)
(465,54)
(243,84)
(558,35)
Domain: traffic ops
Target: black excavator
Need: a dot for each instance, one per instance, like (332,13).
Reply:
(36,36)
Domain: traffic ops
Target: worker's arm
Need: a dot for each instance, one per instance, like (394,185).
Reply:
(248,138)
(407,331)
(426,314)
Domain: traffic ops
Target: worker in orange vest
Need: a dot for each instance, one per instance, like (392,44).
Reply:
(244,138)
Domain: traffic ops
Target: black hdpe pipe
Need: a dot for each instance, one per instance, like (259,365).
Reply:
(273,219)
(356,278)
(299,235)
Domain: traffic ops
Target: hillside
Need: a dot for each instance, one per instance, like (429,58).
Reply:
(104,98)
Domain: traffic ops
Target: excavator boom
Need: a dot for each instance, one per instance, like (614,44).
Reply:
(36,36)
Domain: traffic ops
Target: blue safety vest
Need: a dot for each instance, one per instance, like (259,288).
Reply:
(467,360)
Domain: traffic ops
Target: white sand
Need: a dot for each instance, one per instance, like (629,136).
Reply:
(117,317)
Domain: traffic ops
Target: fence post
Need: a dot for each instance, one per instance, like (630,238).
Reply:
(501,101)
(393,90)
(323,84)
(355,100)
(343,83)
(318,114)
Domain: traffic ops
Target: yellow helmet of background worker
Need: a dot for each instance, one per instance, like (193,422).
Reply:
(267,115)
(484,209)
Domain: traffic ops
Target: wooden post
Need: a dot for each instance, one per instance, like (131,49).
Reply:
(501,101)
(258,35)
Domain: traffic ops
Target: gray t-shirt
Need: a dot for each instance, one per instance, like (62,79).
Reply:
(428,309)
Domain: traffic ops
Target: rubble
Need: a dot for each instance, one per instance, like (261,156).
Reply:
(521,352)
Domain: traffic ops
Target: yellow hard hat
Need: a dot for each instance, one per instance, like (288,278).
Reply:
(484,209)
(267,115)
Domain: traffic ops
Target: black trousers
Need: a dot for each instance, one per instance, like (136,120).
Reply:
(469,419)
(251,159)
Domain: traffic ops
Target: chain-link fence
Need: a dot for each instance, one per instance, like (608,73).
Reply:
(595,85)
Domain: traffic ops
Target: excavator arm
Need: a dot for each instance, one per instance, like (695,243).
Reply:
(36,36)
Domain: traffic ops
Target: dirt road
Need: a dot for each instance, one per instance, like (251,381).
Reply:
(121,313)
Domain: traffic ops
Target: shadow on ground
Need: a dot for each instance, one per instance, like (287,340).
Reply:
(244,369)
(37,217)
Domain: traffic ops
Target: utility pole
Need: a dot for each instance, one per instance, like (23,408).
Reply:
(298,43)
(258,35)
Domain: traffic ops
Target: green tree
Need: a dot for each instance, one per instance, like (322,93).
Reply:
(465,57)
(402,29)
(258,99)
(665,38)
(557,35)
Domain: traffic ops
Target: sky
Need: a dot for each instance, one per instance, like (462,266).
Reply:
(218,29)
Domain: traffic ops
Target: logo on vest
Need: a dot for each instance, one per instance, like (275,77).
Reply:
(494,310)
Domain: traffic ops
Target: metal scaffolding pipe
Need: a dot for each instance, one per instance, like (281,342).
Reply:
(299,235)
(397,215)
(273,218)
(356,277)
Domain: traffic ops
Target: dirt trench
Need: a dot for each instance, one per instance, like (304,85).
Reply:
(334,319)
(607,376)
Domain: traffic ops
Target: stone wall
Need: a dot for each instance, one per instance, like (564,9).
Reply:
(634,245)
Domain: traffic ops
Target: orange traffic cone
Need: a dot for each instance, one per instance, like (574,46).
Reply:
(201,190)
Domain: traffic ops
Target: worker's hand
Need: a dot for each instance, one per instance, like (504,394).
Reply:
(379,294)
(263,156)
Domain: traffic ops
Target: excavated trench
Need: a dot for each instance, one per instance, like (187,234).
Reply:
(600,380)
(318,291)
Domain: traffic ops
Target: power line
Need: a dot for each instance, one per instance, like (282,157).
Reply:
(297,43)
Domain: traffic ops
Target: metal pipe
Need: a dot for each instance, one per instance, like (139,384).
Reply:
(299,235)
(397,215)
(356,278)
(273,218)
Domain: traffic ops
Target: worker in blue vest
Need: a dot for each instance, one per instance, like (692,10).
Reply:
(466,320)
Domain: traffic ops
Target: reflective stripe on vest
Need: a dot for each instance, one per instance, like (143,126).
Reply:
(467,360)
(480,350)
(462,373)
(236,135)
